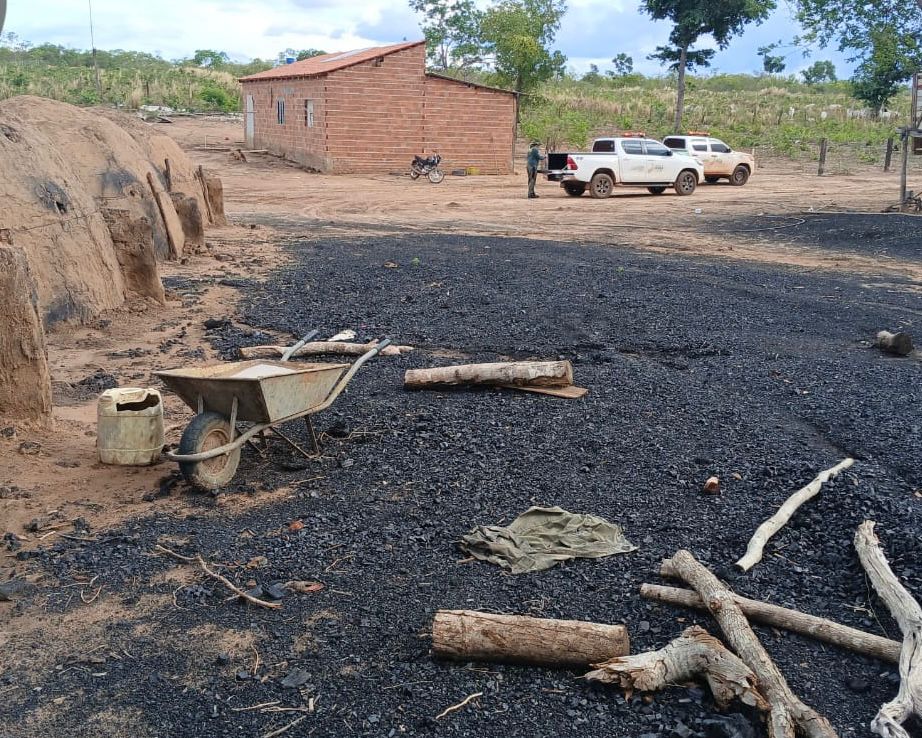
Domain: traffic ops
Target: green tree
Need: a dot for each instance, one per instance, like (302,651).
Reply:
(622,65)
(452,32)
(693,19)
(592,75)
(883,70)
(771,63)
(819,72)
(517,35)
(210,59)
(308,53)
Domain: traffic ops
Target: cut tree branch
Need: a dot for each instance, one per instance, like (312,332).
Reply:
(514,373)
(786,710)
(696,653)
(908,614)
(321,348)
(801,623)
(777,521)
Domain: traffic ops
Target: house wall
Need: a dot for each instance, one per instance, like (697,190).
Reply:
(375,116)
(469,126)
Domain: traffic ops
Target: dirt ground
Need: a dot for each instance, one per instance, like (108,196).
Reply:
(51,475)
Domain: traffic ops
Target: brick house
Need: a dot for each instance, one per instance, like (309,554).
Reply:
(372,110)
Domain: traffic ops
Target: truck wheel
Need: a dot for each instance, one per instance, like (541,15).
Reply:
(740,176)
(575,189)
(656,190)
(710,179)
(601,186)
(207,431)
(686,182)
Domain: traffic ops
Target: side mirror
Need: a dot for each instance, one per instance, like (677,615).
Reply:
(669,152)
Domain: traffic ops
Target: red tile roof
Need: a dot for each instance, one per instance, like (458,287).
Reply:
(317,66)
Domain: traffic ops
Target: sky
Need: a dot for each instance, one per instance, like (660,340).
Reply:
(592,31)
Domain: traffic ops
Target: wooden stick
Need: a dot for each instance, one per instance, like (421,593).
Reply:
(811,626)
(518,373)
(695,653)
(908,614)
(320,348)
(168,224)
(224,580)
(777,521)
(462,703)
(467,635)
(786,710)
(290,725)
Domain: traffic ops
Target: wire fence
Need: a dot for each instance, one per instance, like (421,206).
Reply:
(840,158)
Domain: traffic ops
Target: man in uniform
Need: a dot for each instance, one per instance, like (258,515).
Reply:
(534,159)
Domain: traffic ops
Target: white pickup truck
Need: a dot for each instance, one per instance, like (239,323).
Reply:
(625,160)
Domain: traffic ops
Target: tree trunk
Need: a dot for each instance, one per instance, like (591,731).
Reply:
(786,710)
(521,373)
(811,626)
(777,521)
(908,615)
(695,653)
(466,635)
(680,89)
(321,348)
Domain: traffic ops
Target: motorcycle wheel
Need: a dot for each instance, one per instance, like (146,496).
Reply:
(414,174)
(436,176)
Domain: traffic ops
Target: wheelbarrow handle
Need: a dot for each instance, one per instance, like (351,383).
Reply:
(304,339)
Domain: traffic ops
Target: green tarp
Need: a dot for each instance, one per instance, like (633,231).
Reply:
(543,536)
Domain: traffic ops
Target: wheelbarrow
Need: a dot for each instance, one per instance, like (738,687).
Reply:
(262,393)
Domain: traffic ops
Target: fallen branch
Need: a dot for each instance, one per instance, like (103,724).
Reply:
(321,348)
(777,521)
(466,635)
(801,623)
(908,615)
(281,730)
(695,653)
(462,703)
(785,710)
(515,373)
(214,575)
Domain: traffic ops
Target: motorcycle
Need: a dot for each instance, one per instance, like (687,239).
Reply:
(427,167)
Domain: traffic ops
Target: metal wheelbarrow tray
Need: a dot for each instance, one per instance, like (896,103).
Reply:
(262,393)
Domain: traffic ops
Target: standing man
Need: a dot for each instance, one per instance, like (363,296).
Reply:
(534,159)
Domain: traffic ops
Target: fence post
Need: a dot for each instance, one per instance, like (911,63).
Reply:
(888,157)
(824,143)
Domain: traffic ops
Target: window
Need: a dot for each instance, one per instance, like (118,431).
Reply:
(675,143)
(603,146)
(655,148)
(309,113)
(280,112)
(632,147)
(700,146)
(719,147)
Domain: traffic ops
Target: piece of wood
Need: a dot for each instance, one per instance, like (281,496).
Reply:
(215,188)
(569,393)
(467,635)
(321,348)
(777,521)
(200,177)
(785,710)
(795,621)
(168,175)
(899,344)
(696,653)
(174,233)
(516,373)
(908,615)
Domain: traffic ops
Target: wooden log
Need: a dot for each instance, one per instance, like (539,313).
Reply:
(795,621)
(321,348)
(200,178)
(466,635)
(785,710)
(518,373)
(777,521)
(168,175)
(696,653)
(174,233)
(908,615)
(215,189)
(899,344)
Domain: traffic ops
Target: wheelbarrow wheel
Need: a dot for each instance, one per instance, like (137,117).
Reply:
(205,432)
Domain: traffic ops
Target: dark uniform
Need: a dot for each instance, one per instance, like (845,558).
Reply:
(534,159)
